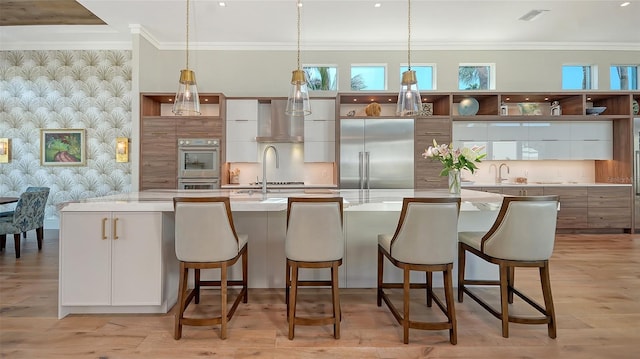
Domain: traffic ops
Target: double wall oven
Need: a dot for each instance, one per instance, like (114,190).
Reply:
(198,163)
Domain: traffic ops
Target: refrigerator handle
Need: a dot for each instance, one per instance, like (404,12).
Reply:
(367,164)
(636,170)
(360,170)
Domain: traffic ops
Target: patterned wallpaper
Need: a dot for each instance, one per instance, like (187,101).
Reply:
(65,89)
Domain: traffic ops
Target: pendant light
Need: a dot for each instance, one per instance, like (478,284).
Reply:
(409,101)
(187,101)
(298,100)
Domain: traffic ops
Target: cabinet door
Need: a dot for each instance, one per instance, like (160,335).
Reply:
(242,151)
(158,154)
(322,110)
(242,129)
(609,207)
(203,127)
(136,265)
(85,258)
(319,130)
(592,150)
(522,191)
(427,171)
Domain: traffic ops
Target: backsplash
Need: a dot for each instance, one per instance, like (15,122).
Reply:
(292,167)
(534,171)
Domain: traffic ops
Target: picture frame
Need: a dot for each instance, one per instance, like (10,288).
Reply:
(62,147)
(5,150)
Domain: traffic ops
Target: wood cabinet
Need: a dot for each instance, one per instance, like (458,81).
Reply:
(609,207)
(522,191)
(160,130)
(111,259)
(427,171)
(573,206)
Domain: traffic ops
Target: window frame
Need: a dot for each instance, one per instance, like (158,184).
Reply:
(385,66)
(634,83)
(433,74)
(492,74)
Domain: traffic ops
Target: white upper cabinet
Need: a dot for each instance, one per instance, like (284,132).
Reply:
(242,129)
(538,140)
(319,131)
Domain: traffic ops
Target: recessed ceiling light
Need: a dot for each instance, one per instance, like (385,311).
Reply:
(532,15)
(377,5)
(222,4)
(626,3)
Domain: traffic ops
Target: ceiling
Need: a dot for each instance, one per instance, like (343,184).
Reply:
(325,24)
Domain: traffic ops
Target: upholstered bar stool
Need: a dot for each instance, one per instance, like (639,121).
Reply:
(523,235)
(314,240)
(425,240)
(205,238)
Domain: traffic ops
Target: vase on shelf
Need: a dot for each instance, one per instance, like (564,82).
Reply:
(454,181)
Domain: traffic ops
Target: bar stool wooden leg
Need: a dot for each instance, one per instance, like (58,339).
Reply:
(429,276)
(223,302)
(196,280)
(39,237)
(184,272)
(548,300)
(504,302)
(16,240)
(461,265)
(380,276)
(245,275)
(292,300)
(451,311)
(511,281)
(406,297)
(337,315)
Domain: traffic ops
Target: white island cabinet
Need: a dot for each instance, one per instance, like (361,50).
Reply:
(115,262)
(117,252)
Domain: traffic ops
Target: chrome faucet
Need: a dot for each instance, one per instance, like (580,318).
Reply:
(264,166)
(500,178)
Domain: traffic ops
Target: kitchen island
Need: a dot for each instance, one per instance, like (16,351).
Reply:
(117,252)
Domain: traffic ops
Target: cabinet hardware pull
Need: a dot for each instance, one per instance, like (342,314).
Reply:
(159,133)
(241,120)
(115,228)
(104,222)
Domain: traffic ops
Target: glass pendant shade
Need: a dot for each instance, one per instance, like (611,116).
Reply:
(187,102)
(409,101)
(298,101)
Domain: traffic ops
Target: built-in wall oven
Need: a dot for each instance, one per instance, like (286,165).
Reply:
(198,163)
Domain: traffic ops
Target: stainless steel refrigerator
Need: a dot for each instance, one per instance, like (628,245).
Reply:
(376,153)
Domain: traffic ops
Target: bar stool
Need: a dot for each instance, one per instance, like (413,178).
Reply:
(425,240)
(205,238)
(523,235)
(314,240)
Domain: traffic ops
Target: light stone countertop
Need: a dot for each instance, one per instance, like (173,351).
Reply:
(541,184)
(276,200)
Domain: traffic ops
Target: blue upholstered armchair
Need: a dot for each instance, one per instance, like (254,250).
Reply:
(28,215)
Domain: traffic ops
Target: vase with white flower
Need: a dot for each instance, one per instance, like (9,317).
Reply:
(455,160)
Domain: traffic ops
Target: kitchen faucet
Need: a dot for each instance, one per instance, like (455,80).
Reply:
(500,178)
(264,166)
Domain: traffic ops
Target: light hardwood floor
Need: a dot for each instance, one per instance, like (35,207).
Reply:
(595,281)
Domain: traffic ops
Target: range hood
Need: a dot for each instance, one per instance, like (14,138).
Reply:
(276,126)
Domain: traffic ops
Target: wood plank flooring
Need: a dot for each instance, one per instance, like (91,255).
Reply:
(595,281)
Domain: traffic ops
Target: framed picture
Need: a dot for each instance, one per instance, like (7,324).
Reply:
(62,147)
(5,150)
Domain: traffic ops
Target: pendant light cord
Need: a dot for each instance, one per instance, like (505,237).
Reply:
(409,37)
(298,7)
(187,35)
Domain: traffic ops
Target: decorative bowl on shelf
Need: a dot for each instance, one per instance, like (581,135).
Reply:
(468,106)
(595,110)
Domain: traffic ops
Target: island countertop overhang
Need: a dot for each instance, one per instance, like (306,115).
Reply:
(354,200)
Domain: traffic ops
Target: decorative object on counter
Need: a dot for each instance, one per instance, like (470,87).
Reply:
(595,111)
(530,109)
(427,109)
(468,106)
(187,100)
(234,176)
(455,160)
(504,109)
(5,150)
(122,149)
(373,109)
(556,110)
(409,101)
(521,180)
(62,147)
(351,113)
(635,107)
(298,103)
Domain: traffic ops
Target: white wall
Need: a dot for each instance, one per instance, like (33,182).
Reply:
(265,73)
